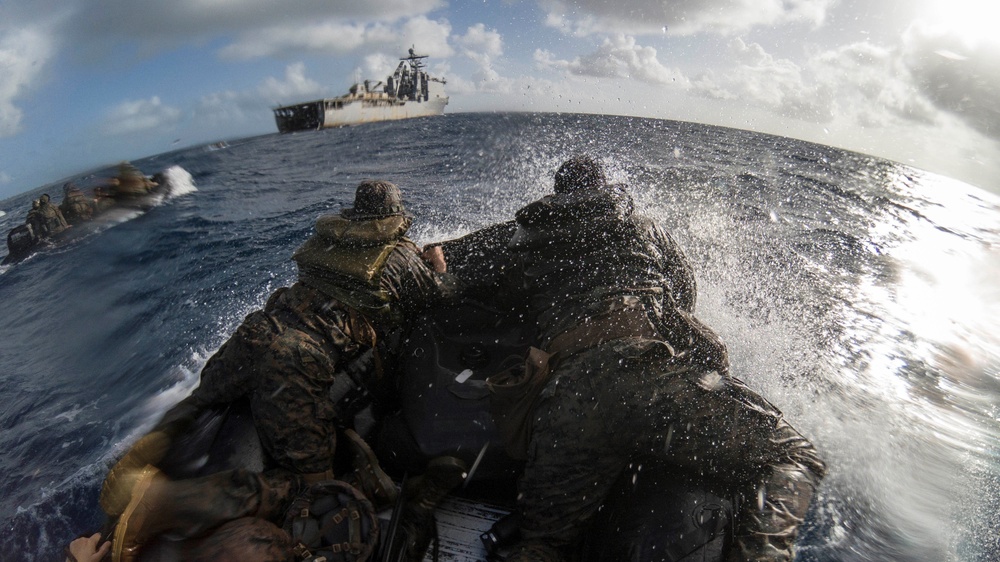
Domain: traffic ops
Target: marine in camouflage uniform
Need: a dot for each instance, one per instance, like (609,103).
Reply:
(286,359)
(635,374)
(51,220)
(76,207)
(35,221)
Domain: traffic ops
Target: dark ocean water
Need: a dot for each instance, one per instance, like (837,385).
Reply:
(859,295)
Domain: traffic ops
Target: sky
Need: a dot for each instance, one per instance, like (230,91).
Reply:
(88,83)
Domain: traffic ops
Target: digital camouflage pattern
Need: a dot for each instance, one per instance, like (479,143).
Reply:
(286,359)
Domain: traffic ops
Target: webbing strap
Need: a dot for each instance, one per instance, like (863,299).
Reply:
(617,324)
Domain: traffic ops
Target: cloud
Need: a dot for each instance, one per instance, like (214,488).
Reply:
(179,22)
(240,107)
(865,83)
(334,37)
(5,178)
(485,42)
(873,81)
(483,46)
(329,37)
(294,85)
(680,17)
(23,55)
(958,76)
(140,115)
(617,57)
(777,84)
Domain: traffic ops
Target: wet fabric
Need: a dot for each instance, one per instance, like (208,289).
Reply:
(590,425)
(574,243)
(663,394)
(130,181)
(248,539)
(345,258)
(285,359)
(333,520)
(229,515)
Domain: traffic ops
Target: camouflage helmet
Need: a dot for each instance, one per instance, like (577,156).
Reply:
(579,172)
(376,199)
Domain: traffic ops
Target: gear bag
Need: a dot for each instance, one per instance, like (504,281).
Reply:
(515,393)
(332,521)
(514,396)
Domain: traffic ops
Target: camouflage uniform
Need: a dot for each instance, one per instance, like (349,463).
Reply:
(75,206)
(286,358)
(635,375)
(35,221)
(48,219)
(130,182)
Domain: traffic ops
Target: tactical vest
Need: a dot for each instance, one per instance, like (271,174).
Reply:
(54,221)
(345,258)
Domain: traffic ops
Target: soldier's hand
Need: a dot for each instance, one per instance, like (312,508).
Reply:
(117,488)
(434,255)
(85,549)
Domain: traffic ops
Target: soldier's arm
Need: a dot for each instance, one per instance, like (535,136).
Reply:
(677,270)
(486,268)
(227,376)
(693,337)
(410,281)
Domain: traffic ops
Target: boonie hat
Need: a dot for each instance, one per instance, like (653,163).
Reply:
(376,199)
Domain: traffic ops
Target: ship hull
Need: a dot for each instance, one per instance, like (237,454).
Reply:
(409,92)
(366,112)
(334,112)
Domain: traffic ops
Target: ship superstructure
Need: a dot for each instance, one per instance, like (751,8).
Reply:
(409,92)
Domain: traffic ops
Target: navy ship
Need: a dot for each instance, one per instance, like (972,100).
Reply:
(409,92)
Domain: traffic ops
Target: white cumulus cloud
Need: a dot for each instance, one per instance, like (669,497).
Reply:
(180,22)
(617,57)
(295,84)
(681,17)
(236,108)
(140,115)
(335,37)
(23,55)
(480,40)
(482,47)
(958,76)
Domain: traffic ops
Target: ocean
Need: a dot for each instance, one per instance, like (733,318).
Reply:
(858,295)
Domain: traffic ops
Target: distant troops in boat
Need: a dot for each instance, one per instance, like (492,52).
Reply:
(50,219)
(129,188)
(130,182)
(76,207)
